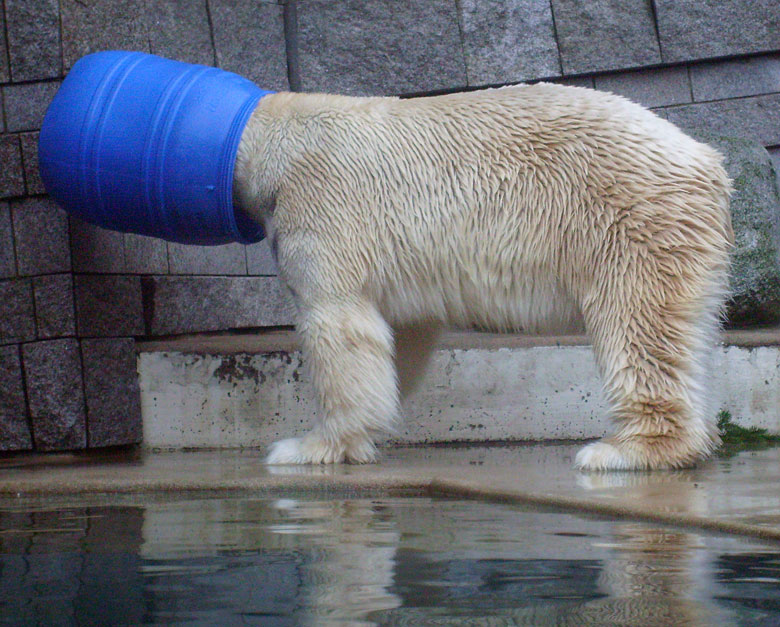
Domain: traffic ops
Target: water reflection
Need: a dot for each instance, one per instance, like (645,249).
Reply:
(370,561)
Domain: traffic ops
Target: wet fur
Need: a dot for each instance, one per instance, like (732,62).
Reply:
(534,208)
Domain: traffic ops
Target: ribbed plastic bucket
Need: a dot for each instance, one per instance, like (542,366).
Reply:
(137,143)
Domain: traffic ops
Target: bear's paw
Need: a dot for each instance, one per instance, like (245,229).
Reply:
(306,450)
(601,456)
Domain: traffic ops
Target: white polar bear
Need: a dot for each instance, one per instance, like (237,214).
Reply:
(522,208)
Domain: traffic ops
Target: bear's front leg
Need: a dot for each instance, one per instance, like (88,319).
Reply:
(349,347)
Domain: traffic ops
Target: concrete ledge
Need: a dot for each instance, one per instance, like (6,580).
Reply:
(233,391)
(266,341)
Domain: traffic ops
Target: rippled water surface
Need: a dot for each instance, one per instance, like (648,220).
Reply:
(384,561)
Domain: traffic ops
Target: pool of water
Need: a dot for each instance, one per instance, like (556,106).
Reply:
(383,561)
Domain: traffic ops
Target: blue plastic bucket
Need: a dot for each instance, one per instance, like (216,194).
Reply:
(137,143)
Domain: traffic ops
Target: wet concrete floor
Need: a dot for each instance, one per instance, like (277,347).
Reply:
(738,494)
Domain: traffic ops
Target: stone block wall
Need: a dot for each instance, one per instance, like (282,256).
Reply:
(73,297)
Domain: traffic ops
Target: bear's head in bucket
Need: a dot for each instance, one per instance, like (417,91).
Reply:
(138,143)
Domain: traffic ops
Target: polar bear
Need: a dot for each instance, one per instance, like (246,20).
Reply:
(520,208)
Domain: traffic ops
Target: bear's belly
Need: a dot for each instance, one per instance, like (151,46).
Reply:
(521,304)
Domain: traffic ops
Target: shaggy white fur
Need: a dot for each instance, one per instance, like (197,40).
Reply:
(529,208)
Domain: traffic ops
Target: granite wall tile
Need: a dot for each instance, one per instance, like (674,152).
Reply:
(54,308)
(376,47)
(259,260)
(12,172)
(701,29)
(17,316)
(738,78)
(33,39)
(95,249)
(180,30)
(112,392)
(145,255)
(26,104)
(108,306)
(249,40)
(41,235)
(508,41)
(14,428)
(604,35)
(651,88)
(193,304)
(55,394)
(7,258)
(94,26)
(5,74)
(755,118)
(226,259)
(32,177)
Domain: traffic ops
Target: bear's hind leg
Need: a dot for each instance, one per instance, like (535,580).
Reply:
(652,342)
(350,350)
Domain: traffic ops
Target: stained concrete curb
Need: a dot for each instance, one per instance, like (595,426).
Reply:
(244,391)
